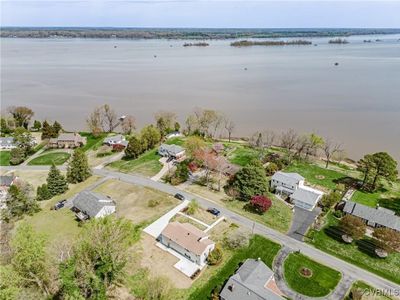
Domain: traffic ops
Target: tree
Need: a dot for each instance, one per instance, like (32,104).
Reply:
(23,138)
(128,125)
(230,127)
(43,193)
(181,174)
(191,124)
(17,156)
(192,207)
(4,128)
(56,129)
(56,182)
(151,136)
(22,115)
(109,117)
(329,150)
(134,148)
(165,121)
(78,167)
(315,143)
(193,144)
(365,165)
(249,181)
(95,121)
(289,140)
(215,256)
(30,259)
(260,203)
(99,259)
(329,200)
(19,201)
(387,239)
(271,169)
(37,125)
(47,130)
(353,226)
(177,126)
(301,145)
(385,166)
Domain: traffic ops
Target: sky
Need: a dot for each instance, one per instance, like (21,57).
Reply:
(202,13)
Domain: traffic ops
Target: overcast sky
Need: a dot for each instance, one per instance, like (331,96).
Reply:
(201,13)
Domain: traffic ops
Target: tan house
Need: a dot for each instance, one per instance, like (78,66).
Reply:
(188,241)
(67,140)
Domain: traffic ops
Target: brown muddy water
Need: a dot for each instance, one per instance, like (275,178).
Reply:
(356,103)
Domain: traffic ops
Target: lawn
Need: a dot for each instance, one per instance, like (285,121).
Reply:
(278,217)
(387,268)
(321,282)
(316,175)
(5,158)
(242,155)
(58,225)
(146,164)
(92,142)
(259,247)
(176,141)
(133,200)
(57,158)
(367,292)
(387,196)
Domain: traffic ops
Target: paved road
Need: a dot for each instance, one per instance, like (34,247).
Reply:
(347,269)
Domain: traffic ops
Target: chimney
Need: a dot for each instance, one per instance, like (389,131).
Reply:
(231,287)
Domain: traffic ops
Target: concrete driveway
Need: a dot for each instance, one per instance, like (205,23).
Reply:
(302,220)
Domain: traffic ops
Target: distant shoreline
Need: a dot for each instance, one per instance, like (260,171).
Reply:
(184,33)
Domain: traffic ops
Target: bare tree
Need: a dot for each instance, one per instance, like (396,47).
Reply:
(21,114)
(301,145)
(330,149)
(191,124)
(268,137)
(289,140)
(218,121)
(110,118)
(128,124)
(95,121)
(229,126)
(165,121)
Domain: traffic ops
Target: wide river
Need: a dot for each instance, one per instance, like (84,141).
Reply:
(356,103)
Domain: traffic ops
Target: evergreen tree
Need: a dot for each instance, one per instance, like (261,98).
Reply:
(37,125)
(56,129)
(56,182)
(250,181)
(17,156)
(134,148)
(47,130)
(19,201)
(43,193)
(4,128)
(78,167)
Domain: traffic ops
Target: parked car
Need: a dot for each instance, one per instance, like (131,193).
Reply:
(60,204)
(179,196)
(214,211)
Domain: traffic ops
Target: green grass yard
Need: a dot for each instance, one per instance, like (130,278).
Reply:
(259,247)
(176,141)
(316,175)
(92,142)
(388,196)
(242,155)
(322,281)
(387,268)
(4,158)
(367,292)
(58,158)
(146,164)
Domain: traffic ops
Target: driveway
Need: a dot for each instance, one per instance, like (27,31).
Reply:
(302,220)
(166,167)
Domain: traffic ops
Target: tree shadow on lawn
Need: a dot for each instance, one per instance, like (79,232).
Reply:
(335,232)
(356,184)
(392,204)
(249,208)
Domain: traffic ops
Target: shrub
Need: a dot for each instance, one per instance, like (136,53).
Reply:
(153,203)
(17,156)
(192,207)
(271,169)
(338,213)
(215,257)
(260,203)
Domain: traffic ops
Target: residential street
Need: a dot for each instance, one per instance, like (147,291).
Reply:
(347,269)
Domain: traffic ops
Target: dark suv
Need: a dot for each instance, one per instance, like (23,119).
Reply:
(214,211)
(179,196)
(60,204)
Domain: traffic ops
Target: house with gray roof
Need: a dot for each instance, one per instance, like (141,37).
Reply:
(88,204)
(374,217)
(292,185)
(67,140)
(286,182)
(7,142)
(252,281)
(113,140)
(174,151)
